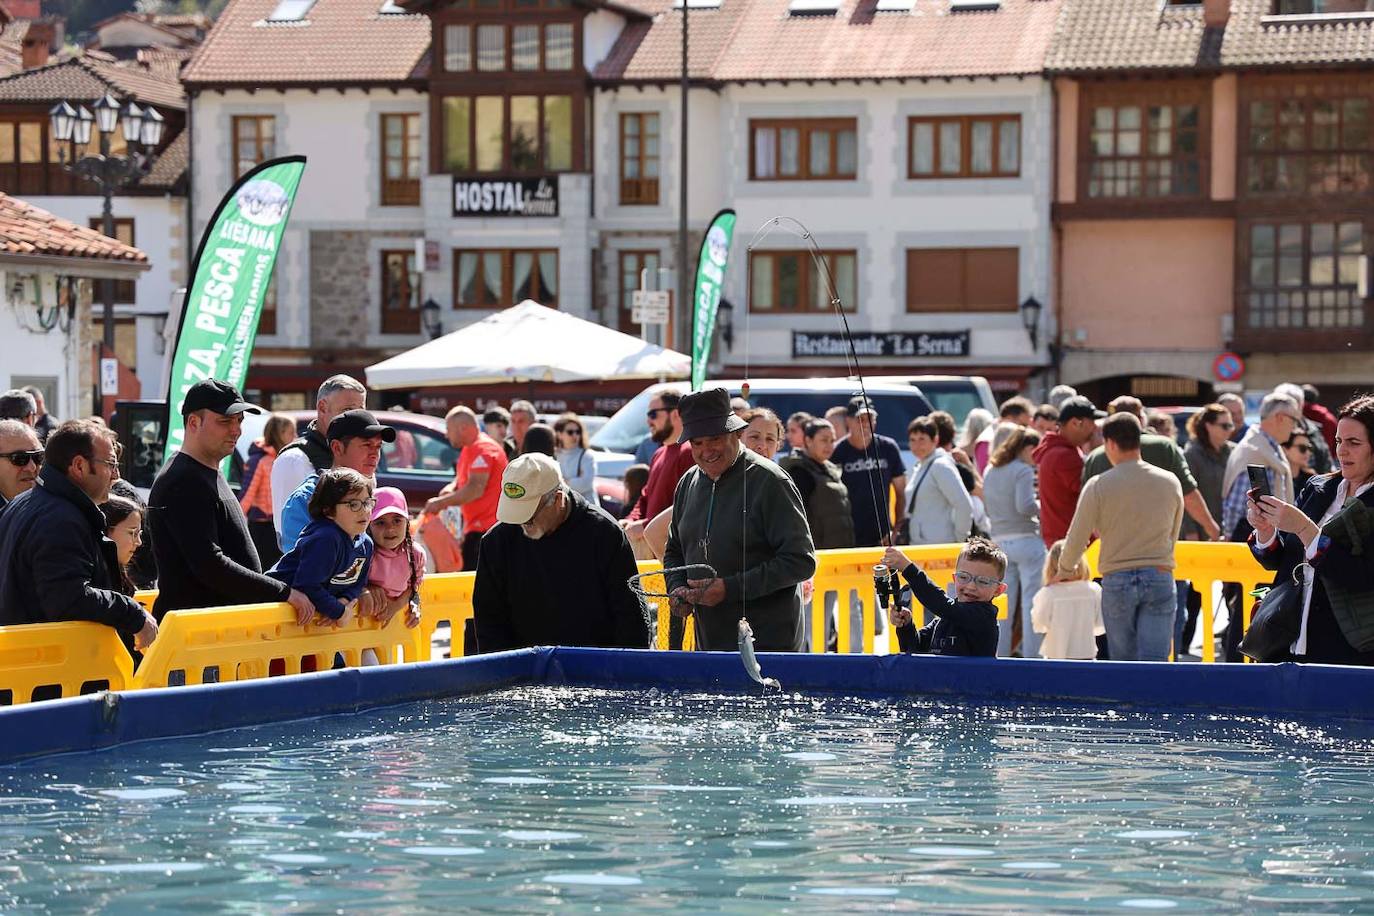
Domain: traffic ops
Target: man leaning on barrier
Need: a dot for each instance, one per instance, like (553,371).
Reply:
(554,570)
(205,555)
(56,564)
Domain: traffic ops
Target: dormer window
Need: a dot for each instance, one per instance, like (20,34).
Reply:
(1321,7)
(291,11)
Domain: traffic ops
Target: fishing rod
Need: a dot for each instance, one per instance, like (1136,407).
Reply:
(795,226)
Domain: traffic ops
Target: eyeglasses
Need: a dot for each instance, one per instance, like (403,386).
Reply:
(571,429)
(358,505)
(1305,449)
(108,462)
(964,578)
(21,459)
(655,412)
(1227,426)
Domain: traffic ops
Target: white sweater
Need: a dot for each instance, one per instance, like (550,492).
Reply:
(1070,616)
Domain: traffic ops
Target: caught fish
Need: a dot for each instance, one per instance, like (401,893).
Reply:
(751,661)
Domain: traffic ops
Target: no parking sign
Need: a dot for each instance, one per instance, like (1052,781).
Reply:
(1228,367)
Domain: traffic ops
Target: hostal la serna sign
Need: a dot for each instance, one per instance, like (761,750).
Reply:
(505,197)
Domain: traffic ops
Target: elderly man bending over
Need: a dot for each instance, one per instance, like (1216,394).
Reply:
(741,515)
(554,571)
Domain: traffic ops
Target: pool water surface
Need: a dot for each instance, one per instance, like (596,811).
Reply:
(541,797)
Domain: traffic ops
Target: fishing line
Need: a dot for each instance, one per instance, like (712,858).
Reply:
(795,227)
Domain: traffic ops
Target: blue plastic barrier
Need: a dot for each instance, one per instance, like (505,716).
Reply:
(107,720)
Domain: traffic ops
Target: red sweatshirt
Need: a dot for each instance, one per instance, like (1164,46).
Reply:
(665,470)
(1060,467)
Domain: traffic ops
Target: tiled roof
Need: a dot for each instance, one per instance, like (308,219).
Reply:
(27,230)
(89,77)
(1104,35)
(759,40)
(171,164)
(1252,42)
(340,41)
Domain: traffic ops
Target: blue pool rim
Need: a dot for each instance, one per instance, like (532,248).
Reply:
(100,721)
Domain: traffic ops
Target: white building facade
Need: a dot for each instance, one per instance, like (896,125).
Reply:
(533,151)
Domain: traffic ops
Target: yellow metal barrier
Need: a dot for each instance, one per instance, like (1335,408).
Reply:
(59,659)
(241,643)
(446,597)
(236,643)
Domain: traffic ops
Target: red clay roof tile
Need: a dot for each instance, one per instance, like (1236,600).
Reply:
(27,230)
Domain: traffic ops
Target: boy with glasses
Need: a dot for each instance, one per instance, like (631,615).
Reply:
(21,455)
(963,625)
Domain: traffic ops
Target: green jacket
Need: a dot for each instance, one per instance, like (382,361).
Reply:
(751,528)
(826,499)
(1160,451)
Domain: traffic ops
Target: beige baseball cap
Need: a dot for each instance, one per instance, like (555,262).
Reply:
(526,480)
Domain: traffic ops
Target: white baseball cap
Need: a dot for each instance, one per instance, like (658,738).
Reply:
(527,479)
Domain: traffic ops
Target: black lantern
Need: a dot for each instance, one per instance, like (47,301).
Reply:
(429,319)
(1030,320)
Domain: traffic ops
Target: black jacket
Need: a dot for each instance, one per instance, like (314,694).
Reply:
(56,563)
(205,556)
(1326,644)
(959,628)
(314,445)
(569,588)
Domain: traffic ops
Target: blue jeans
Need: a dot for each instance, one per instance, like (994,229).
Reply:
(1138,607)
(1025,575)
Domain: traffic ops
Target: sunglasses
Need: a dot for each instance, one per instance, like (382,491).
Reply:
(655,412)
(1227,425)
(964,578)
(21,459)
(1305,449)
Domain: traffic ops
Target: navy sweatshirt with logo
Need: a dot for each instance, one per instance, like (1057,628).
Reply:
(327,566)
(959,628)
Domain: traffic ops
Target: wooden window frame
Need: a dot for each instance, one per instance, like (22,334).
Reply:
(401,192)
(577,140)
(506,295)
(125,291)
(539,20)
(1146,95)
(963,304)
(965,123)
(641,191)
(809,276)
(260,156)
(1304,336)
(389,323)
(1306,92)
(46,176)
(806,126)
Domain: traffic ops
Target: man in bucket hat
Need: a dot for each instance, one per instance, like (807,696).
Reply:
(555,569)
(741,515)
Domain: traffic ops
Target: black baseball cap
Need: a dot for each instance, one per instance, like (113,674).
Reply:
(358,423)
(1079,408)
(858,404)
(221,397)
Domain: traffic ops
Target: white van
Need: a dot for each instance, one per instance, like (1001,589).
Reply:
(897,404)
(957,395)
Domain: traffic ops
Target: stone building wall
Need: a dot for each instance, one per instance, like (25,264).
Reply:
(344,285)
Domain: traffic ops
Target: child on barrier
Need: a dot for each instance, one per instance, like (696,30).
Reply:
(966,626)
(1068,610)
(330,561)
(398,564)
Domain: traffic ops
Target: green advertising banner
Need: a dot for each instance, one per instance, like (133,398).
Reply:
(219,318)
(715,252)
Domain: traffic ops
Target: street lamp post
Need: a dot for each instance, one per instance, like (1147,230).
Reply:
(142,128)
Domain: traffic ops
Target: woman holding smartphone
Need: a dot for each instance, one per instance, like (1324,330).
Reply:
(1288,539)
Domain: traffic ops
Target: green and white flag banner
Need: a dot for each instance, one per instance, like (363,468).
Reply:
(715,253)
(219,318)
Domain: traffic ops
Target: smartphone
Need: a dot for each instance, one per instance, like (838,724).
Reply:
(1259,481)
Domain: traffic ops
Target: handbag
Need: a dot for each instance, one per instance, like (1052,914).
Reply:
(1275,623)
(1352,529)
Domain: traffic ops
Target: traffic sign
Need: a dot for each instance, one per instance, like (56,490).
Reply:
(109,377)
(1228,367)
(650,306)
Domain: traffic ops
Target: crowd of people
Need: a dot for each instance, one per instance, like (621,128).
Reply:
(734,500)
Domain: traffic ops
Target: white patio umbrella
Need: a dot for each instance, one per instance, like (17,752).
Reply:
(528,343)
